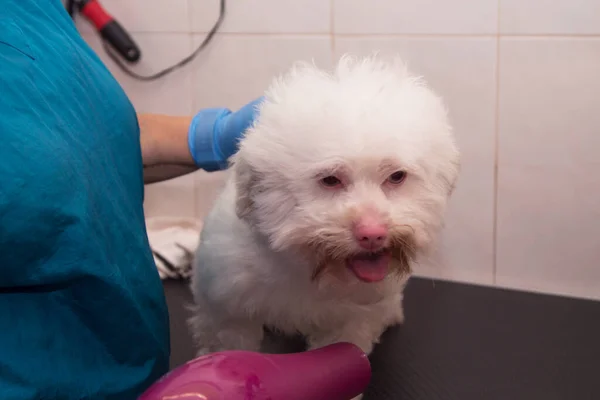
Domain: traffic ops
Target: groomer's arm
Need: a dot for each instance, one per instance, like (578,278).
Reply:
(174,146)
(165,148)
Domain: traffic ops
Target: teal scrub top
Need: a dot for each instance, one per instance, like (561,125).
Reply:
(82,308)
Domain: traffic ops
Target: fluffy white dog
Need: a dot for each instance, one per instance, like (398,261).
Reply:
(340,185)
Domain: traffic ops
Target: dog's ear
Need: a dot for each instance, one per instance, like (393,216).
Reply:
(245,181)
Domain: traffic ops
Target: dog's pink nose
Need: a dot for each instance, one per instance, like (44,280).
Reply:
(370,235)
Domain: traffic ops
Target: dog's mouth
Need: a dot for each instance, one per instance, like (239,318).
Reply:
(370,266)
(394,259)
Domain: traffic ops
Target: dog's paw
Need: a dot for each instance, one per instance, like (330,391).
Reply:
(203,351)
(398,316)
(364,340)
(213,334)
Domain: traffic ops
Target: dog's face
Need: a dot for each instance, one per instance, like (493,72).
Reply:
(352,169)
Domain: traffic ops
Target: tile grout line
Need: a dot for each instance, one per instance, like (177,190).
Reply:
(332,29)
(496,154)
(193,106)
(374,35)
(191,35)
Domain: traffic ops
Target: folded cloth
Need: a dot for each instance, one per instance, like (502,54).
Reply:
(173,242)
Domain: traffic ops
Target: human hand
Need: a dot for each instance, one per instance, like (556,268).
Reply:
(214,134)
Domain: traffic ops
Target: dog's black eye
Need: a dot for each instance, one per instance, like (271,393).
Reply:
(330,181)
(397,177)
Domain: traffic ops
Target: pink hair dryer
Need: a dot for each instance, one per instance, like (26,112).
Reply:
(339,371)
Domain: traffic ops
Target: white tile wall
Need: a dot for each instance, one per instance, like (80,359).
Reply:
(550,17)
(238,68)
(443,17)
(520,79)
(283,16)
(549,188)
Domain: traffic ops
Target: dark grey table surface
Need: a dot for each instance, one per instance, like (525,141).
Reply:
(466,343)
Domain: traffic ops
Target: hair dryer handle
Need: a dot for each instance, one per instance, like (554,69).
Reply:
(110,30)
(118,37)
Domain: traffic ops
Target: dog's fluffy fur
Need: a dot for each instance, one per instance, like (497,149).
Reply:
(275,248)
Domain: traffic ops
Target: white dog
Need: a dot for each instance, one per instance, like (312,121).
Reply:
(339,186)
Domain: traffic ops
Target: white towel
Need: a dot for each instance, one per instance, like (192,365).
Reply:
(173,242)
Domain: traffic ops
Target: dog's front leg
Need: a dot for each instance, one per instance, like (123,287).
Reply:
(214,332)
(361,336)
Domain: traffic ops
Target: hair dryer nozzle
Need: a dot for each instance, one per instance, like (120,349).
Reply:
(339,371)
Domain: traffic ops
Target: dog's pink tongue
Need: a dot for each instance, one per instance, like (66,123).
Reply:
(370,269)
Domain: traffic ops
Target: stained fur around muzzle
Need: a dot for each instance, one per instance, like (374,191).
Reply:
(329,255)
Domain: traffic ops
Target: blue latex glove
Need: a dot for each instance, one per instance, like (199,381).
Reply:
(214,134)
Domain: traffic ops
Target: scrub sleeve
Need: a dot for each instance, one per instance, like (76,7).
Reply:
(82,309)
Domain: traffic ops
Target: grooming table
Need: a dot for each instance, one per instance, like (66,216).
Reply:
(463,342)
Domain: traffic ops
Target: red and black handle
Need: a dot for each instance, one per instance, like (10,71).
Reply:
(110,29)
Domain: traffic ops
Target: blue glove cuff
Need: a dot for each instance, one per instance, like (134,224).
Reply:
(203,139)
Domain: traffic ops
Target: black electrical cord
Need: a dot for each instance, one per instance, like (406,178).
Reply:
(70,6)
(178,65)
